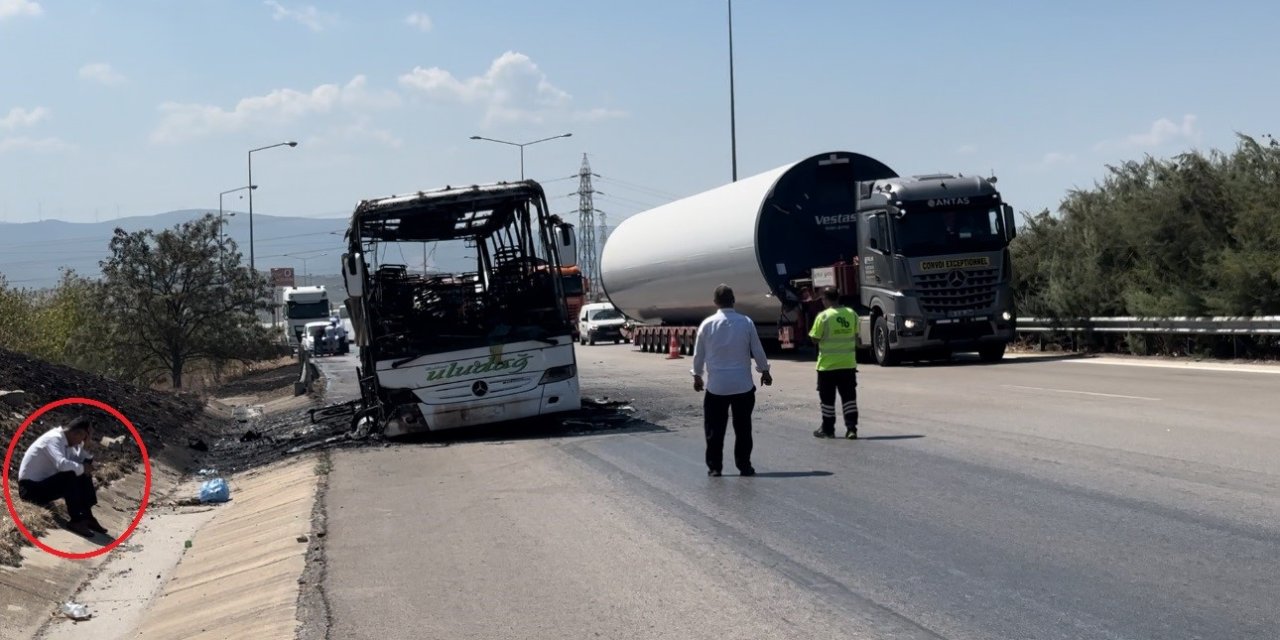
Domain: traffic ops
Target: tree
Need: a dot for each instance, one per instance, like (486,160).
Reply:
(181,296)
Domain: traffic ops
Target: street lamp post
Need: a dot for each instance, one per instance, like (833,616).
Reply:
(250,188)
(306,275)
(253,266)
(733,126)
(522,145)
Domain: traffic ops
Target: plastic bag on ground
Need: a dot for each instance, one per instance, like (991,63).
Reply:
(75,611)
(215,490)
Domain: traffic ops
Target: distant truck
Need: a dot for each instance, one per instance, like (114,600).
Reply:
(489,343)
(301,306)
(575,292)
(924,260)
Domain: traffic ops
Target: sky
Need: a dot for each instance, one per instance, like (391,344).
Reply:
(135,107)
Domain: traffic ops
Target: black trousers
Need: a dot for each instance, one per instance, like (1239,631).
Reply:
(844,381)
(77,491)
(716,420)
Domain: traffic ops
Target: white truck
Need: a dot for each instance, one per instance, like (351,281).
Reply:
(490,342)
(303,305)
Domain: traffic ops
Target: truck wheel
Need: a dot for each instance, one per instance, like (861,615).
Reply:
(884,354)
(991,352)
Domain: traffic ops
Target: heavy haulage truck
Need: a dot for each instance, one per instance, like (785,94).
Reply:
(924,260)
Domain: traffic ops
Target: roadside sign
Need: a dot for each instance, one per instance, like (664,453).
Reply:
(282,277)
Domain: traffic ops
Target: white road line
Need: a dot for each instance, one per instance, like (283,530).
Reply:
(1083,393)
(1222,368)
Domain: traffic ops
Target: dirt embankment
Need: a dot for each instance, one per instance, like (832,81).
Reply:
(174,427)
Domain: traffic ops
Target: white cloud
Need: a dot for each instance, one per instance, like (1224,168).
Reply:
(19,117)
(357,96)
(16,8)
(1162,131)
(419,21)
(512,90)
(599,113)
(306,15)
(102,73)
(37,145)
(359,132)
(1058,158)
(181,121)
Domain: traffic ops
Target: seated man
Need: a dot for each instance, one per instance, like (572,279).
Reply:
(56,466)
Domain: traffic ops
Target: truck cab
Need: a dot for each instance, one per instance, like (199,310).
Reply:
(934,270)
(303,305)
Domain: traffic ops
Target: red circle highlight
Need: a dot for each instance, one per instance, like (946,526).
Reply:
(146,488)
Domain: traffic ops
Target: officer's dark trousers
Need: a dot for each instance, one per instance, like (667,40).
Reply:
(716,420)
(845,382)
(77,491)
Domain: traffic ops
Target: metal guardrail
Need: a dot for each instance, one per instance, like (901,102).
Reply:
(1206,326)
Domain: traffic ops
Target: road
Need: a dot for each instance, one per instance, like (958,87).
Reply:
(1037,498)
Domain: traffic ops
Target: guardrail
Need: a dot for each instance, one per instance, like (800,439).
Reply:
(1189,326)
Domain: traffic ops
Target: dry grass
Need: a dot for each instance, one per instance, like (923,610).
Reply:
(36,519)
(204,380)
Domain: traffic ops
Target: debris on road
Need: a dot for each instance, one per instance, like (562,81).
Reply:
(215,490)
(75,611)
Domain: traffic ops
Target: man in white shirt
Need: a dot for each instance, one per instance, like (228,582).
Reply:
(727,342)
(56,466)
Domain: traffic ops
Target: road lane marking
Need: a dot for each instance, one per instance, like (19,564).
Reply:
(1083,393)
(1209,366)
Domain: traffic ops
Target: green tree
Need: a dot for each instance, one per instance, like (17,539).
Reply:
(181,296)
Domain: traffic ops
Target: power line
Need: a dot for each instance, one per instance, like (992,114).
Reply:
(640,187)
(625,200)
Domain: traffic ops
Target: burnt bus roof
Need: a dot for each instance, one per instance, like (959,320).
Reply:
(443,214)
(936,190)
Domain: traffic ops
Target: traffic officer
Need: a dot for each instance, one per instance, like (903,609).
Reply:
(835,330)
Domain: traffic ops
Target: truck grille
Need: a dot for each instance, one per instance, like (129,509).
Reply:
(957,290)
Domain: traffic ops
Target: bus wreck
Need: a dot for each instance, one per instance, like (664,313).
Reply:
(486,343)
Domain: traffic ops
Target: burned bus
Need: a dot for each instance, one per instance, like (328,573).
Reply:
(490,338)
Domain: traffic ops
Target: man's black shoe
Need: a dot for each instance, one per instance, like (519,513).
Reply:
(824,434)
(714,473)
(749,471)
(82,528)
(95,525)
(851,434)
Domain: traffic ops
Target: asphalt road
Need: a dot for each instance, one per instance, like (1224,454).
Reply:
(1036,498)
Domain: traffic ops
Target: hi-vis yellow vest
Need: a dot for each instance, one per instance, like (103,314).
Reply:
(836,332)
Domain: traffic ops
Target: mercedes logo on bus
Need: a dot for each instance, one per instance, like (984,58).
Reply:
(480,387)
(955,278)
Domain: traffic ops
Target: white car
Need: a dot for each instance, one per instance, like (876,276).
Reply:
(600,322)
(323,338)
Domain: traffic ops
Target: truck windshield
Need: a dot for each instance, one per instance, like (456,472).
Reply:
(606,314)
(930,233)
(572,285)
(308,309)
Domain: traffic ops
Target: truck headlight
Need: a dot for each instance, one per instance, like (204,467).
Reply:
(558,374)
(912,323)
(1006,316)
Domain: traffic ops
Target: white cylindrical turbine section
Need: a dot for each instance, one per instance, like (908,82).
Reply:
(664,264)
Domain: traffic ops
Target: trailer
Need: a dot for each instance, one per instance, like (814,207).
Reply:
(836,219)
